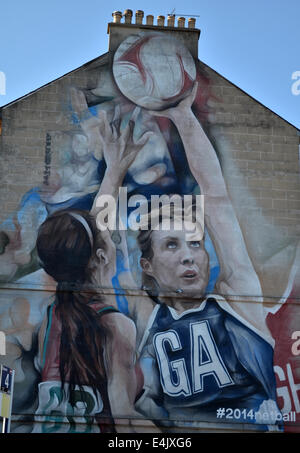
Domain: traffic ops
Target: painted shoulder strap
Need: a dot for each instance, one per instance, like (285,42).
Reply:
(107,309)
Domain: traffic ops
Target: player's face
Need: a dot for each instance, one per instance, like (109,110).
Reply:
(178,263)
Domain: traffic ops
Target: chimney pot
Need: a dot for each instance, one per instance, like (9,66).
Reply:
(117,15)
(139,17)
(161,21)
(171,20)
(191,22)
(149,19)
(128,16)
(181,22)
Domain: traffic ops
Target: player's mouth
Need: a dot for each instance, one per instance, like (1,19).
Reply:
(189,275)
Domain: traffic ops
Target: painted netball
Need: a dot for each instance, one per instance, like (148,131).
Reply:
(153,71)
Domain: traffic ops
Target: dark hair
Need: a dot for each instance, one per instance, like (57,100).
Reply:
(149,283)
(65,251)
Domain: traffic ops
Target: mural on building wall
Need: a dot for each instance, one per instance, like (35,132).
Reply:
(157,314)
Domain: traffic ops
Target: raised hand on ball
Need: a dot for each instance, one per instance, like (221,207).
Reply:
(183,107)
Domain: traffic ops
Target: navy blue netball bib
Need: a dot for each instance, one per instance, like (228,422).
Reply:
(205,359)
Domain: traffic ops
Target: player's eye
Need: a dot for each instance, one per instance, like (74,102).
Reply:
(171,244)
(195,244)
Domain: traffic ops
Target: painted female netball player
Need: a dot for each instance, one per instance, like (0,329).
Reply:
(86,347)
(200,354)
(203,353)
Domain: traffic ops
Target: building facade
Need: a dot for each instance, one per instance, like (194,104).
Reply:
(206,335)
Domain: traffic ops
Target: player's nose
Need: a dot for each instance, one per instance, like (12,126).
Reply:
(186,256)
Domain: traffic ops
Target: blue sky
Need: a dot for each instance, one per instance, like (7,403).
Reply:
(254,44)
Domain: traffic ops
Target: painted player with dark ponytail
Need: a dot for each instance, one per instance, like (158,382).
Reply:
(67,244)
(87,348)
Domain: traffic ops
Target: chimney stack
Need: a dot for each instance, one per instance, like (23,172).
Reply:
(128,16)
(171,20)
(117,16)
(119,30)
(191,22)
(149,20)
(160,21)
(139,17)
(181,22)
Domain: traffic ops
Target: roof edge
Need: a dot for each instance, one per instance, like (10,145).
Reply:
(52,81)
(252,97)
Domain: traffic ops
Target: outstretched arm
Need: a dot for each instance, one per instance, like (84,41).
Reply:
(120,150)
(237,275)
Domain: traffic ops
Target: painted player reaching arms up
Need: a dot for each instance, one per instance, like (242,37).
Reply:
(199,351)
(89,376)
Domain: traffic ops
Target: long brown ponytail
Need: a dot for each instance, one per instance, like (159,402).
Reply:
(65,250)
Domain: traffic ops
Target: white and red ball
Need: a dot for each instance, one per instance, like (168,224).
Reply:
(153,71)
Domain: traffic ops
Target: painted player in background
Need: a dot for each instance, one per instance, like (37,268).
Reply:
(86,346)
